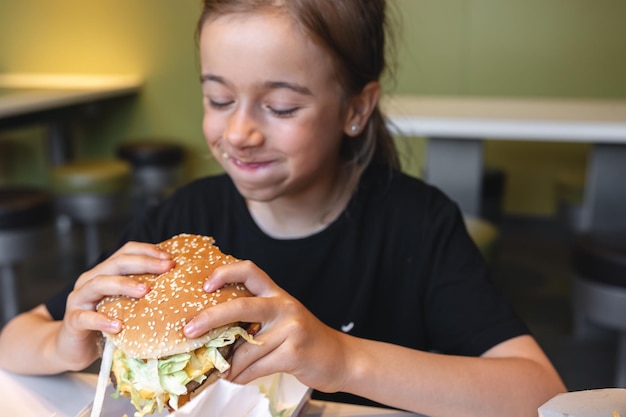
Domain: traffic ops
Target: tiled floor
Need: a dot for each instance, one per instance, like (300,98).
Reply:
(532,268)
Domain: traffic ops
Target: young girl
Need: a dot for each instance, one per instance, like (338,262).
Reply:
(367,283)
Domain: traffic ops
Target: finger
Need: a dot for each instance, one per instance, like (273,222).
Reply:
(134,251)
(263,366)
(251,361)
(244,272)
(243,309)
(135,264)
(90,320)
(127,264)
(141,248)
(92,291)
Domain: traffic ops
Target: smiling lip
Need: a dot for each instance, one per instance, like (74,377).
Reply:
(251,165)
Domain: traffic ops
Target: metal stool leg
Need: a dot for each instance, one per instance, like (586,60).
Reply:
(620,368)
(9,292)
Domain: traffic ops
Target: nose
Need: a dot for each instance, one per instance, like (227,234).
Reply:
(242,130)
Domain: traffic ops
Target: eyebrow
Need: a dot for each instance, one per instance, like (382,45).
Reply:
(271,85)
(290,86)
(209,77)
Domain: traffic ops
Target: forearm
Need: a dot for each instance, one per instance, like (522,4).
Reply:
(444,385)
(28,344)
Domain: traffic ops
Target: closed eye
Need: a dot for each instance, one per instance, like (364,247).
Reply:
(220,104)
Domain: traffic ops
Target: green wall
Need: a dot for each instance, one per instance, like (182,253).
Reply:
(151,38)
(523,48)
(548,48)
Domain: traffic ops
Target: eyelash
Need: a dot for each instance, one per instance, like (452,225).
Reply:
(284,113)
(219,105)
(279,113)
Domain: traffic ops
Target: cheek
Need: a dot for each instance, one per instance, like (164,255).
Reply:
(212,136)
(319,138)
(211,129)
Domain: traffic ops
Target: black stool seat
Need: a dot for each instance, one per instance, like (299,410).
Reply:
(24,207)
(157,169)
(141,154)
(599,296)
(601,257)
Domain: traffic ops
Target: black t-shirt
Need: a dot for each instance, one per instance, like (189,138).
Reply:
(397,266)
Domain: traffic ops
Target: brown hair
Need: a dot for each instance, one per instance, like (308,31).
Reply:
(354,32)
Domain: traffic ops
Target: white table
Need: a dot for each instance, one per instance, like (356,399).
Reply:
(51,99)
(457,126)
(67,394)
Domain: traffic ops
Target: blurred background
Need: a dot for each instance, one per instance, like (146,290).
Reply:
(560,48)
(493,48)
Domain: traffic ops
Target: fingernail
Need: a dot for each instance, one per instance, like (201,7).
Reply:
(165,255)
(209,286)
(115,326)
(190,329)
(142,287)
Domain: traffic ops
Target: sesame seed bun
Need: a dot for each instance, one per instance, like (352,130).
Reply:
(153,325)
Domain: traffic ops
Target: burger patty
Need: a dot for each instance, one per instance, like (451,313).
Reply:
(226,352)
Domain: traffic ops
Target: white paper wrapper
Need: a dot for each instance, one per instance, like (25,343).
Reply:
(588,403)
(227,399)
(264,397)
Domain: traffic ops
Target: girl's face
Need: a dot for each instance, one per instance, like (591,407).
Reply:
(274,112)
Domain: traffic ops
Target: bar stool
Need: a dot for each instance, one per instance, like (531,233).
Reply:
(157,169)
(599,292)
(25,212)
(484,234)
(570,191)
(91,192)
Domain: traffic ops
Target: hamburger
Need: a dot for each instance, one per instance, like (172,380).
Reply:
(153,363)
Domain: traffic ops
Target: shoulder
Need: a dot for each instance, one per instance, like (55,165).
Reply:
(390,190)
(411,212)
(384,179)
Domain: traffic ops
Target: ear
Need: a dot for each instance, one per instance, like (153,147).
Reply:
(360,108)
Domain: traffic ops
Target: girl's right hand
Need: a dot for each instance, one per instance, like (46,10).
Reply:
(77,340)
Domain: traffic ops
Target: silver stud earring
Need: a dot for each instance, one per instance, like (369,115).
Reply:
(354,129)
(225,155)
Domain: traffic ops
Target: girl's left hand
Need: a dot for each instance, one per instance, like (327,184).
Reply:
(292,339)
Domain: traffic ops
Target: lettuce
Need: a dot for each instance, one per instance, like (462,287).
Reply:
(152,382)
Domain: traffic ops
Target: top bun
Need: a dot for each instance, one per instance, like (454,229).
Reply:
(153,325)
